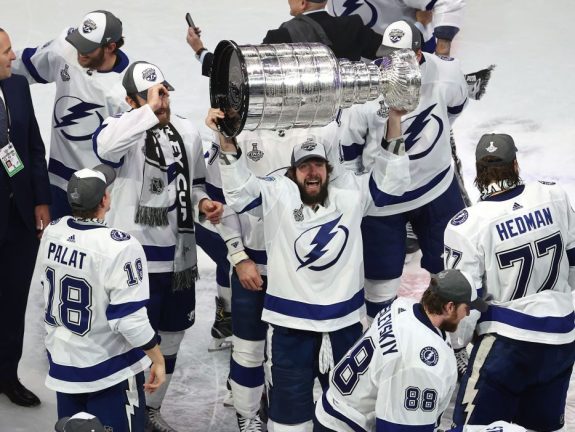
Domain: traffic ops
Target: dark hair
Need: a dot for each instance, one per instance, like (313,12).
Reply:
(432,301)
(495,174)
(290,173)
(85,214)
(119,44)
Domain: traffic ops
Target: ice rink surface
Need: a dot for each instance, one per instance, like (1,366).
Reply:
(530,97)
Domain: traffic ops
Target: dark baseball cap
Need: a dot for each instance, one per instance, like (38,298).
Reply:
(401,35)
(80,422)
(453,285)
(98,28)
(497,145)
(310,149)
(87,186)
(141,75)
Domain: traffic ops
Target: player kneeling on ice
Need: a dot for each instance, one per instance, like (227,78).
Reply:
(402,372)
(95,283)
(314,300)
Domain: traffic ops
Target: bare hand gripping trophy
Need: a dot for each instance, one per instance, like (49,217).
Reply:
(302,85)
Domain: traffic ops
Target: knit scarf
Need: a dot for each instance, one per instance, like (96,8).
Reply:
(154,204)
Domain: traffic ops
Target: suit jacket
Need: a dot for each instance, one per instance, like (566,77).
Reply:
(30,186)
(350,38)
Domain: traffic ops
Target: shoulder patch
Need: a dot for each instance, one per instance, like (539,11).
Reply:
(267,178)
(429,356)
(446,58)
(119,235)
(459,218)
(548,183)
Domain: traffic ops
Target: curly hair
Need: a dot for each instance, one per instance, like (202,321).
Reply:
(487,174)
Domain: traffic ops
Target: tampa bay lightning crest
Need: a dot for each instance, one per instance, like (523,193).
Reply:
(320,247)
(75,119)
(429,356)
(119,235)
(425,122)
(363,8)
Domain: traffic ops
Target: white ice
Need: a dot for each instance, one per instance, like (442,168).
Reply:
(530,96)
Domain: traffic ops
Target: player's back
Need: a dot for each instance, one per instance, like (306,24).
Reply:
(521,239)
(401,363)
(89,273)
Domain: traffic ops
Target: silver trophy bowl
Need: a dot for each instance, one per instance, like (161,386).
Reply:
(302,85)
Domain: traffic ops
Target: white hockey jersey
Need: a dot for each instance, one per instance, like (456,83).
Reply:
(315,263)
(400,375)
(84,98)
(95,283)
(426,131)
(267,153)
(378,14)
(120,143)
(522,242)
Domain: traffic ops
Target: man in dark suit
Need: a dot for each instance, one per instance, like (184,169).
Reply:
(24,213)
(347,36)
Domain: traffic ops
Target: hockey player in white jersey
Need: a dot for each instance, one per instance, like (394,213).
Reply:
(314,298)
(518,243)
(95,283)
(401,374)
(86,64)
(159,193)
(433,197)
(439,21)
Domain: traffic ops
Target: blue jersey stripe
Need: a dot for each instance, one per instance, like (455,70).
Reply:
(95,147)
(336,414)
(381,198)
(98,371)
(159,253)
(58,168)
(388,426)
(255,203)
(523,321)
(250,377)
(215,193)
(571,256)
(352,151)
(121,310)
(26,59)
(315,312)
(456,109)
(83,227)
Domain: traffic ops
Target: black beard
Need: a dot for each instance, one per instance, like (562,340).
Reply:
(318,198)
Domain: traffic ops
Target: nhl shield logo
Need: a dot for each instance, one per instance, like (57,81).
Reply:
(255,154)
(149,74)
(491,147)
(309,144)
(395,35)
(64,73)
(89,26)
(156,185)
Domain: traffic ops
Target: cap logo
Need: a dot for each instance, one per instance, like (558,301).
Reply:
(88,26)
(149,74)
(309,145)
(491,147)
(395,35)
(75,195)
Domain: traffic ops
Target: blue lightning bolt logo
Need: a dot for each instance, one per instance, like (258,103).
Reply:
(320,242)
(77,111)
(352,5)
(415,129)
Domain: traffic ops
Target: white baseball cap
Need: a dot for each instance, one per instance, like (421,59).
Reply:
(401,35)
(141,75)
(98,28)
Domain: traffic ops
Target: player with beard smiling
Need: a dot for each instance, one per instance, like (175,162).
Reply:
(314,299)
(86,63)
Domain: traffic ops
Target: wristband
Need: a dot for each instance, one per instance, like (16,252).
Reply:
(238,257)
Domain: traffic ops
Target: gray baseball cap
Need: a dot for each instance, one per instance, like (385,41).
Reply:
(498,145)
(87,186)
(141,75)
(98,28)
(401,35)
(455,286)
(310,149)
(80,422)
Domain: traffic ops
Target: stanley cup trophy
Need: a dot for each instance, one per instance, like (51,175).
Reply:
(303,85)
